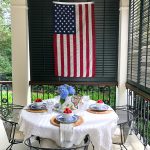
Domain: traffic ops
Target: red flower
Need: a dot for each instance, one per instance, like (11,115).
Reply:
(38,100)
(100,101)
(67,110)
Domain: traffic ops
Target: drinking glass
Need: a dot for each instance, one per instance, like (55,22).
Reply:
(81,106)
(50,106)
(85,102)
(57,99)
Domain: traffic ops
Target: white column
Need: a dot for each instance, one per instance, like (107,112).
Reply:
(20,52)
(123,53)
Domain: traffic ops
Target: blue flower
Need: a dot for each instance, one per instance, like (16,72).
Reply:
(71,90)
(63,93)
(66,85)
(60,88)
(65,90)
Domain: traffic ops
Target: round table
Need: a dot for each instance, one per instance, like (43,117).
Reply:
(100,127)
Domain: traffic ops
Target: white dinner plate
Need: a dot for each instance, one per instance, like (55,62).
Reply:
(96,108)
(72,119)
(34,107)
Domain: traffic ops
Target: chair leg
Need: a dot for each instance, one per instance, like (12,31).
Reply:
(145,148)
(13,132)
(12,135)
(9,147)
(86,148)
(38,139)
(92,145)
(30,144)
(120,147)
(124,146)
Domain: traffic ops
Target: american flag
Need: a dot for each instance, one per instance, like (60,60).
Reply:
(74,39)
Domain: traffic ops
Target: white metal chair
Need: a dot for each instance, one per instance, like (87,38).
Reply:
(11,126)
(124,125)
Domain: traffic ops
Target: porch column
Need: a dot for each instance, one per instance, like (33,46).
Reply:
(20,53)
(123,53)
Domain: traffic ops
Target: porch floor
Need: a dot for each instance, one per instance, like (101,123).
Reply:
(132,144)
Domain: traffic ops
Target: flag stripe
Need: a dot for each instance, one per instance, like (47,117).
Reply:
(75,55)
(69,56)
(81,40)
(84,39)
(62,54)
(59,54)
(87,40)
(90,42)
(55,53)
(65,55)
(77,42)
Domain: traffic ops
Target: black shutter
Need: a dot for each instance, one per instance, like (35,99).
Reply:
(41,49)
(139,44)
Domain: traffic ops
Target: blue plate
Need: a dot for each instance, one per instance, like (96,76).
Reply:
(72,119)
(96,108)
(34,107)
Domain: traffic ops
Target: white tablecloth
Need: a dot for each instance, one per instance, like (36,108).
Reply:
(100,127)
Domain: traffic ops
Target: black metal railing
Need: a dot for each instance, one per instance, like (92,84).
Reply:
(6,98)
(139,101)
(107,92)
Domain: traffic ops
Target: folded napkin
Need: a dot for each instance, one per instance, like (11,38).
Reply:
(66,135)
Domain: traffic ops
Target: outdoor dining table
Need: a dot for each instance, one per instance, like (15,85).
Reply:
(100,127)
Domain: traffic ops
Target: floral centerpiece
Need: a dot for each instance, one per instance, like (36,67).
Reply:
(65,91)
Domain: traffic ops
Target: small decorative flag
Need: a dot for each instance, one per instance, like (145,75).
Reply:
(74,39)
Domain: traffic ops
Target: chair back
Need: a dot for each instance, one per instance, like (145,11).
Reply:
(124,130)
(9,128)
(124,125)
(10,111)
(33,143)
(10,122)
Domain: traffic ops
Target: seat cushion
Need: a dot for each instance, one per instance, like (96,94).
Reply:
(19,136)
(117,136)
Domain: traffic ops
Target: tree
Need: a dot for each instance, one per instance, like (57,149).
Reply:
(5,40)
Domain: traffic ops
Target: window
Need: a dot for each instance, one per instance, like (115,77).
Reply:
(139,44)
(41,39)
